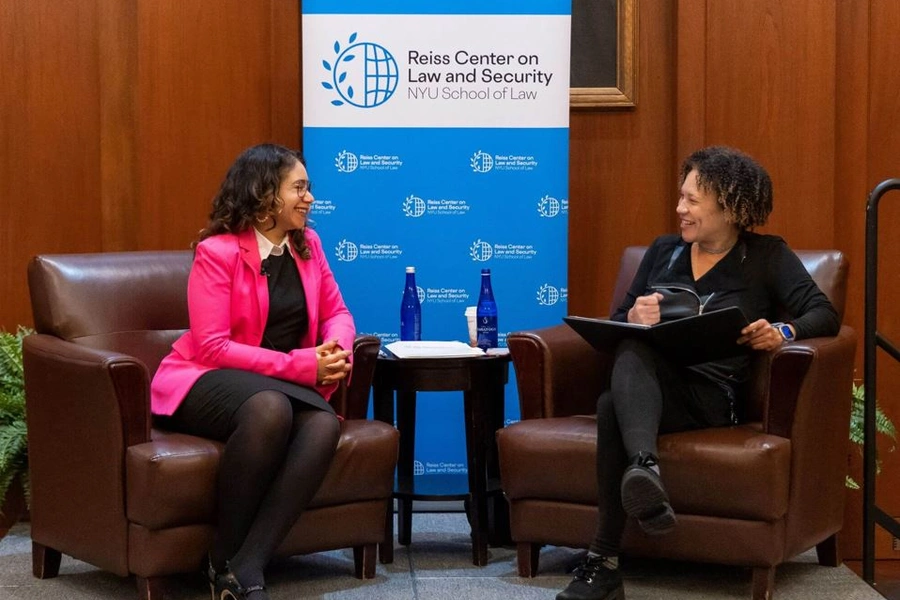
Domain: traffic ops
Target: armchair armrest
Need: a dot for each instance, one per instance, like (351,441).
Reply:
(84,408)
(810,404)
(557,372)
(805,381)
(351,401)
(71,389)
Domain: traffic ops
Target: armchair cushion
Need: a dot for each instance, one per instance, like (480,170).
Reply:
(743,472)
(172,480)
(537,451)
(733,472)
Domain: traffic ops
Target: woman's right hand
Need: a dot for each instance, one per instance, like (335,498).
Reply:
(332,363)
(645,310)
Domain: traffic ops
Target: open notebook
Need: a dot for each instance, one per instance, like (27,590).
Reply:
(708,336)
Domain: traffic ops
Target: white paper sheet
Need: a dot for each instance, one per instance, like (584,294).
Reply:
(432,349)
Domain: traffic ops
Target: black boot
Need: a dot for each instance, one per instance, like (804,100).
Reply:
(594,580)
(643,495)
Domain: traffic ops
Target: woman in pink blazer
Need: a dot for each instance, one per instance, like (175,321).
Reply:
(270,338)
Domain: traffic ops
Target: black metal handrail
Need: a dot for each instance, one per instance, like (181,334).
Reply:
(873,340)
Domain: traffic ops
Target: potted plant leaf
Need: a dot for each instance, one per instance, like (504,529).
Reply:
(883,425)
(13,430)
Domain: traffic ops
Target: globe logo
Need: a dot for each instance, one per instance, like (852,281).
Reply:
(364,74)
(481,251)
(346,251)
(481,162)
(346,162)
(420,292)
(547,295)
(414,206)
(418,468)
(548,206)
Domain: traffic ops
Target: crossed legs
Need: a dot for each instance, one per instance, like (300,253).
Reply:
(648,395)
(274,462)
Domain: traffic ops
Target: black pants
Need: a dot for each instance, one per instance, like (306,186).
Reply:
(648,395)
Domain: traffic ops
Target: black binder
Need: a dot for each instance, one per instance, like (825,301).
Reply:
(708,336)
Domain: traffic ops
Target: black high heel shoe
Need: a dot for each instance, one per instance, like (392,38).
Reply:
(211,577)
(227,586)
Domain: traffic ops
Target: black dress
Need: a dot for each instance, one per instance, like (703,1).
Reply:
(215,397)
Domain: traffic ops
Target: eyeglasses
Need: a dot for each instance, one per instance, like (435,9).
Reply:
(303,186)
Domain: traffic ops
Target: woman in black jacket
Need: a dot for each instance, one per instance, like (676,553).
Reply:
(715,262)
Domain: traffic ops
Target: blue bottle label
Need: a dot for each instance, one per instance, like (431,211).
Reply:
(487,332)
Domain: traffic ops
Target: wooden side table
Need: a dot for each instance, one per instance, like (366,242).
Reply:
(481,379)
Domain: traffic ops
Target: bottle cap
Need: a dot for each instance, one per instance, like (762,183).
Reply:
(410,269)
(485,271)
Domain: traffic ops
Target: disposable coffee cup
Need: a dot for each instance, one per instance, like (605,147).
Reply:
(473,329)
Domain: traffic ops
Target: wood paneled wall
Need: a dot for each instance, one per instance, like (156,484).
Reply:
(119,117)
(622,187)
(49,139)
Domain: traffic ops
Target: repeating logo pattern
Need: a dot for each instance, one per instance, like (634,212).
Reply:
(481,162)
(481,251)
(548,207)
(384,336)
(323,207)
(548,295)
(413,206)
(346,251)
(447,295)
(438,468)
(346,162)
(363,74)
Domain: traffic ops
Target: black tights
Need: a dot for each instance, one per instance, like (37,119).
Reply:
(273,463)
(648,395)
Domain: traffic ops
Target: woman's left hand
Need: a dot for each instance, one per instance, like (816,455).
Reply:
(333,364)
(760,335)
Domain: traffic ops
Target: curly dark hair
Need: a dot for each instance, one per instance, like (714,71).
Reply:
(741,185)
(249,189)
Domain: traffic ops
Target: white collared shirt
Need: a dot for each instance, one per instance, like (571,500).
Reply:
(267,248)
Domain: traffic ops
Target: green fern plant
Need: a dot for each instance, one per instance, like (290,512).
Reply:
(883,425)
(13,430)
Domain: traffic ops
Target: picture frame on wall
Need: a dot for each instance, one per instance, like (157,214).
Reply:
(604,54)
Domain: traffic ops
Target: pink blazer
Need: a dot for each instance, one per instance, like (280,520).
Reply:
(228,301)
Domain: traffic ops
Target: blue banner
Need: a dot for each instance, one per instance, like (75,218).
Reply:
(438,7)
(439,139)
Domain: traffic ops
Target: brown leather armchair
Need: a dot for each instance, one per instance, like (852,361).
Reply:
(110,489)
(755,495)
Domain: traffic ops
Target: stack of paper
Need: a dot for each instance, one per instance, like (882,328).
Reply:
(432,349)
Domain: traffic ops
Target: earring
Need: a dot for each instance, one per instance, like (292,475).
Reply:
(262,220)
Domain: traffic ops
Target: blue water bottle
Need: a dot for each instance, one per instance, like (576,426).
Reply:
(410,309)
(486,313)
